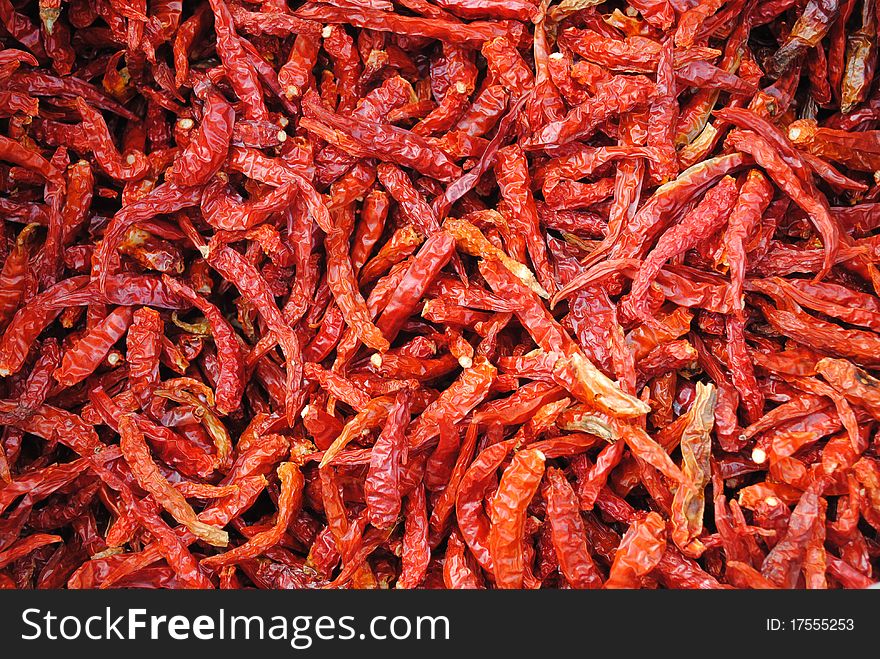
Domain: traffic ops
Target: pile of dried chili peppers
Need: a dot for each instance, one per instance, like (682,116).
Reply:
(447,293)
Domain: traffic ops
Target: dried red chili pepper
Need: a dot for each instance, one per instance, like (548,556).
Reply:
(569,535)
(697,226)
(289,501)
(206,151)
(695,444)
(81,359)
(432,256)
(148,476)
(229,381)
(508,516)
(389,455)
(416,552)
(640,550)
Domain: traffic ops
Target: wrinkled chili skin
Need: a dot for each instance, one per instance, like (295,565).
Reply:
(206,151)
(466,293)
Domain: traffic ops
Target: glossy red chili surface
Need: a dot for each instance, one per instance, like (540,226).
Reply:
(439,293)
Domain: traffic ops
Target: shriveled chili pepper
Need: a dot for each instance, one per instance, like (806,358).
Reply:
(382,485)
(416,552)
(695,444)
(640,550)
(242,76)
(704,220)
(206,151)
(289,501)
(434,253)
(508,516)
(569,535)
(229,382)
(511,171)
(619,94)
(468,390)
(340,278)
(809,29)
(377,140)
(148,476)
(436,28)
(83,357)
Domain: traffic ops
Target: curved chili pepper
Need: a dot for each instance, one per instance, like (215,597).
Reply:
(468,390)
(508,507)
(435,28)
(457,570)
(296,74)
(641,549)
(29,322)
(148,476)
(13,277)
(416,552)
(381,487)
(856,151)
(374,213)
(206,151)
(697,226)
(252,284)
(511,171)
(809,29)
(620,94)
(473,522)
(289,502)
(242,76)
(568,534)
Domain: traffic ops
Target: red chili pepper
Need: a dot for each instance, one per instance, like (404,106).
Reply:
(148,476)
(508,516)
(289,502)
(640,550)
(340,278)
(568,534)
(458,573)
(229,382)
(435,28)
(385,142)
(85,355)
(416,552)
(242,76)
(432,256)
(206,151)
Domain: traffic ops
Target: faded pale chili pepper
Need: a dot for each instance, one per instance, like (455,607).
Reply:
(695,445)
